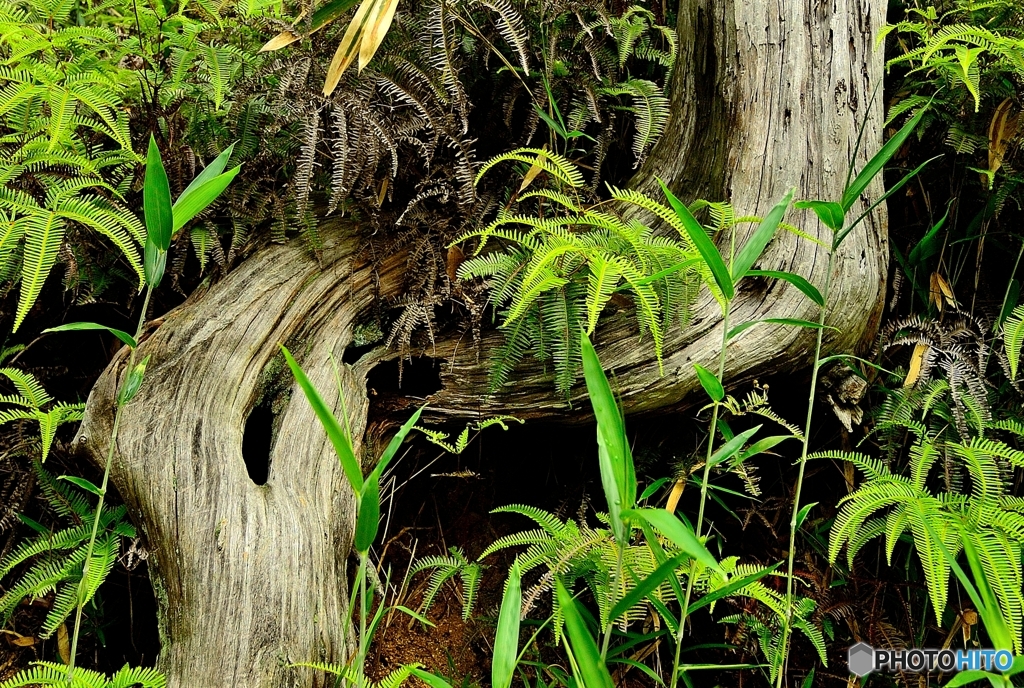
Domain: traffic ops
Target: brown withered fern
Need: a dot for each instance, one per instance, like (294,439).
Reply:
(397,145)
(953,347)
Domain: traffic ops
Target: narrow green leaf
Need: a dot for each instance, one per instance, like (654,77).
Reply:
(156,199)
(593,672)
(432,680)
(506,638)
(552,124)
(671,270)
(154,264)
(642,667)
(368,519)
(795,322)
(337,435)
(732,586)
(618,475)
(797,281)
(991,613)
(830,213)
(70,327)
(653,487)
(879,161)
(414,615)
(758,241)
(727,450)
(33,524)
(801,515)
(82,483)
(209,172)
(706,247)
(679,533)
(764,445)
(132,383)
(646,586)
(661,557)
(326,14)
(930,243)
(199,198)
(396,441)
(710,382)
(889,192)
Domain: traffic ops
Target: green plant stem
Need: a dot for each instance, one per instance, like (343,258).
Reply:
(616,584)
(103,493)
(787,622)
(363,640)
(703,499)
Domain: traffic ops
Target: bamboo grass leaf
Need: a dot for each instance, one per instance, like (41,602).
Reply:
(830,213)
(710,382)
(156,199)
(506,639)
(593,671)
(797,281)
(878,162)
(794,322)
(618,475)
(76,326)
(646,586)
(704,245)
(335,432)
(758,241)
(368,518)
(678,532)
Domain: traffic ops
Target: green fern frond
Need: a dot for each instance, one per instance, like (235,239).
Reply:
(1013,338)
(552,163)
(651,108)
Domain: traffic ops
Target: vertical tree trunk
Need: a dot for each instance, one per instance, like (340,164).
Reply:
(767,95)
(248,577)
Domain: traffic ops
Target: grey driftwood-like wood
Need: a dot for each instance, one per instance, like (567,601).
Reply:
(767,95)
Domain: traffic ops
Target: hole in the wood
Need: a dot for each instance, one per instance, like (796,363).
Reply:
(353,352)
(420,377)
(257,438)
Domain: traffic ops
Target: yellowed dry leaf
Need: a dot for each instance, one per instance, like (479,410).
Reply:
(934,292)
(24,641)
(532,173)
(674,495)
(944,287)
(382,192)
(939,291)
(285,37)
(455,259)
(279,41)
(63,646)
(1001,130)
(377,25)
(970,619)
(916,361)
(348,47)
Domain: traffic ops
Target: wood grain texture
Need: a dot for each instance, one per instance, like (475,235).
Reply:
(248,577)
(769,94)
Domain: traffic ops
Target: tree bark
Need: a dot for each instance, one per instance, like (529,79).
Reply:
(767,95)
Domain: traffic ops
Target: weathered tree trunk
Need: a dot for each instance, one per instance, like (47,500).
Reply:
(767,95)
